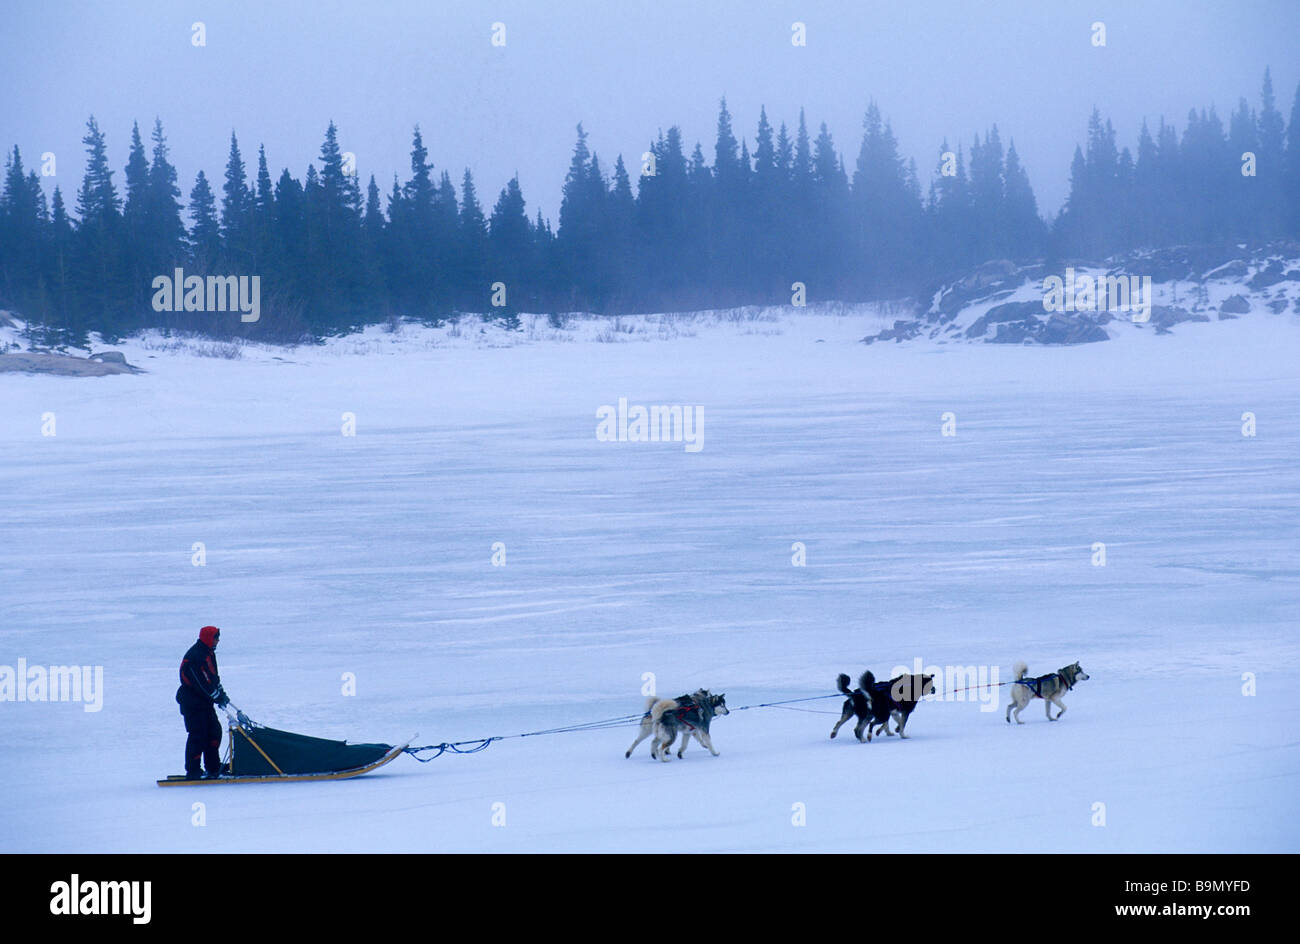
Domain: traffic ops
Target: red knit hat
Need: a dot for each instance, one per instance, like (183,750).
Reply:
(208,636)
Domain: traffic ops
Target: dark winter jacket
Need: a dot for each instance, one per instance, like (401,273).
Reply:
(200,683)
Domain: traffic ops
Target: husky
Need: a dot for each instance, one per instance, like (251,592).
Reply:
(875,703)
(870,712)
(689,720)
(648,719)
(1049,688)
(689,714)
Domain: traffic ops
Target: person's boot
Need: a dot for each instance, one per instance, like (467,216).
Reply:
(212,759)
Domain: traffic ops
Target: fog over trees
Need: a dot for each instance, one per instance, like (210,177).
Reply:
(678,227)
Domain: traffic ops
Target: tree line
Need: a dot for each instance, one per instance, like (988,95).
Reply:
(676,231)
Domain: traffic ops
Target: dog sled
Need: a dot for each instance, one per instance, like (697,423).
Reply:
(258,754)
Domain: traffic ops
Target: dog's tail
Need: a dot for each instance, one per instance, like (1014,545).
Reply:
(1019,670)
(843,684)
(650,702)
(866,680)
(658,707)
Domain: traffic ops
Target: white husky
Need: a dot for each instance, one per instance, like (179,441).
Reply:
(1050,688)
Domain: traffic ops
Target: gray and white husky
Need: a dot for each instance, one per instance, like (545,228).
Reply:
(690,715)
(1049,688)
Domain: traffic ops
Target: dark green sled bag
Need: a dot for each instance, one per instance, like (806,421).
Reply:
(262,752)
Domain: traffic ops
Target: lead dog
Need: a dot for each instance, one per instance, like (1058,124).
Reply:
(875,703)
(1049,688)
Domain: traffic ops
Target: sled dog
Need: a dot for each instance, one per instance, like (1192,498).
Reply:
(688,720)
(691,715)
(874,703)
(648,721)
(1049,688)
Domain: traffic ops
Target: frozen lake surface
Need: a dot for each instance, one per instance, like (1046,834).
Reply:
(372,554)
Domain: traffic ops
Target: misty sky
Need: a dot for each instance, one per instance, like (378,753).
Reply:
(277,73)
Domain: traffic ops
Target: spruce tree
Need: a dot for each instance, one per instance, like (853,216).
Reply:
(578,240)
(1249,213)
(473,240)
(829,225)
(139,270)
(885,212)
(20,235)
(510,241)
(290,236)
(412,219)
(136,209)
(263,224)
(1145,179)
(372,247)
(99,271)
(236,211)
(97,200)
(988,193)
(165,228)
(726,162)
(1269,167)
(1168,200)
(1024,227)
(205,228)
(596,285)
(446,242)
(58,268)
(1206,164)
(334,228)
(1291,172)
(619,238)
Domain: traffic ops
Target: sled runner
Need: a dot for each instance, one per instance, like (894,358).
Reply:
(265,755)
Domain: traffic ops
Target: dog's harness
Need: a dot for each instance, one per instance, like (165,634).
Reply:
(1036,684)
(684,703)
(682,714)
(681,711)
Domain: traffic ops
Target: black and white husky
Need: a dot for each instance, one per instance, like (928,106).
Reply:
(875,703)
(1049,688)
(690,715)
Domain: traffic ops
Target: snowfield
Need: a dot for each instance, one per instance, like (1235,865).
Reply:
(372,554)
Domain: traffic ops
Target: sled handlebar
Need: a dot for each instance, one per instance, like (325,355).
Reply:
(239,717)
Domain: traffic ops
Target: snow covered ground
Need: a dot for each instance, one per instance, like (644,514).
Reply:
(372,554)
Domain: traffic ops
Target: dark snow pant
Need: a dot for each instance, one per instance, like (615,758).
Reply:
(204,741)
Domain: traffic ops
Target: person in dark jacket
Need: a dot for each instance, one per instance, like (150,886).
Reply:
(199,691)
